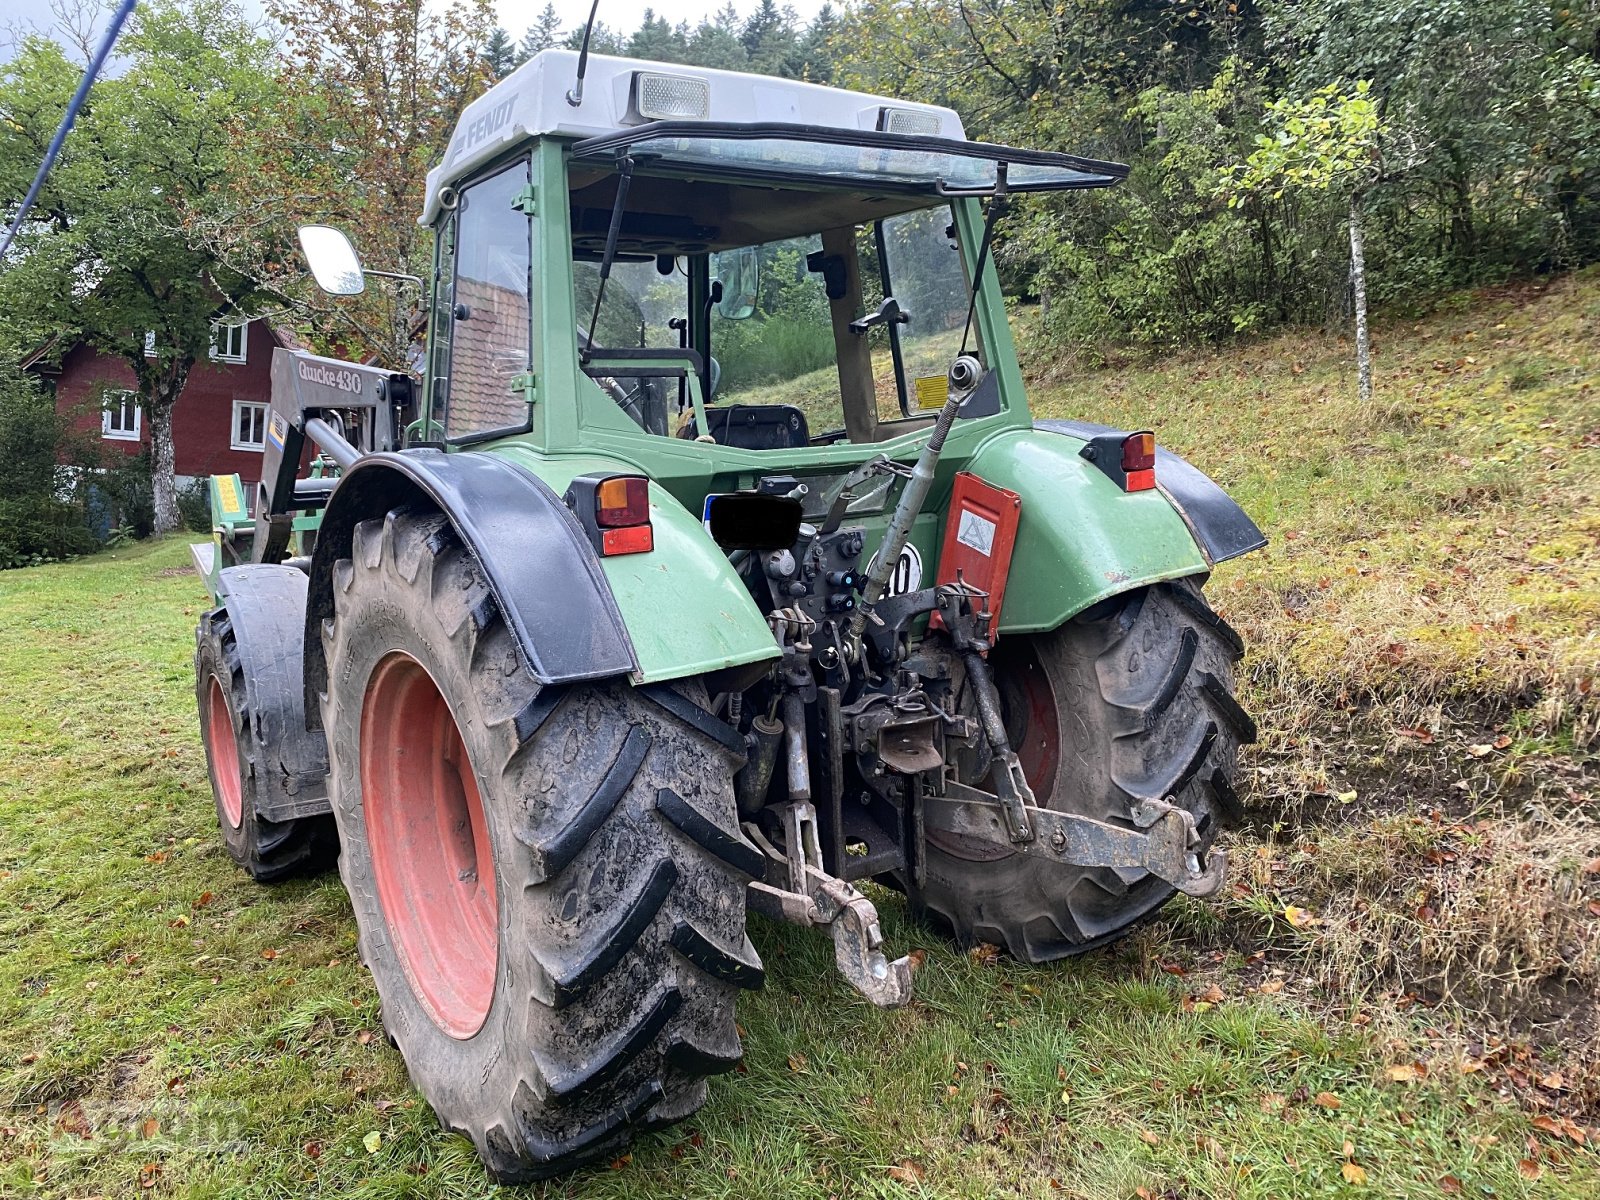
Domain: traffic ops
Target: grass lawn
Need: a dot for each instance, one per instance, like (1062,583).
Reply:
(1396,999)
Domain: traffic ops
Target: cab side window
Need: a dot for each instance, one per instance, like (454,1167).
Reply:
(489,317)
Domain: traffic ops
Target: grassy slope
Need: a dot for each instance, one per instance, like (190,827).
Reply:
(163,1021)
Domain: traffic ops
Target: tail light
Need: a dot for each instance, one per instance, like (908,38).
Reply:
(1139,461)
(614,511)
(1127,459)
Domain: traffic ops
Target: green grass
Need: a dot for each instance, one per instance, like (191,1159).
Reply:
(163,1021)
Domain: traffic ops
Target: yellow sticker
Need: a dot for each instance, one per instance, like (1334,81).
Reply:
(229,497)
(932,391)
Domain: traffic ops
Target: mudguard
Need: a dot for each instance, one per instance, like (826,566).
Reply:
(1219,525)
(1081,538)
(289,763)
(540,567)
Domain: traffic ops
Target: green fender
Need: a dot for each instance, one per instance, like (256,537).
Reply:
(1081,538)
(685,609)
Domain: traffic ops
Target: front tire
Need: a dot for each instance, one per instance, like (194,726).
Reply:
(1129,701)
(548,883)
(242,755)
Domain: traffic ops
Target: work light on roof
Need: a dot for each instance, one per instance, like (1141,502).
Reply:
(908,120)
(658,97)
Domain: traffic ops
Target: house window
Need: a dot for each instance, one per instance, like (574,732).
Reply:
(249,425)
(120,419)
(149,343)
(228,341)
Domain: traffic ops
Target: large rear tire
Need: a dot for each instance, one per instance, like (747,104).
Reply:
(242,752)
(1129,701)
(548,883)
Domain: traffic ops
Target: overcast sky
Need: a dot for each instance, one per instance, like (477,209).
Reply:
(515,15)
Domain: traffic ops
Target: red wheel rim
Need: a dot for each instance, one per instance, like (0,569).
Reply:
(224,756)
(431,857)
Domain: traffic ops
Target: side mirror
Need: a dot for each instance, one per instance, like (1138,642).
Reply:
(333,260)
(739,272)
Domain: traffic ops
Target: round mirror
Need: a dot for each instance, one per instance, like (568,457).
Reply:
(333,260)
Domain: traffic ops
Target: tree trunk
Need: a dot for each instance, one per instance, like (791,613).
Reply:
(163,473)
(1358,282)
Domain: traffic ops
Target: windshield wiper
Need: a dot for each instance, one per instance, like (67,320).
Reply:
(996,207)
(625,177)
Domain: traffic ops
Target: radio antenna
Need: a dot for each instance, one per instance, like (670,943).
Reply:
(575,95)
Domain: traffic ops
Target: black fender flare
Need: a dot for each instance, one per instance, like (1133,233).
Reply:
(1220,527)
(535,557)
(290,764)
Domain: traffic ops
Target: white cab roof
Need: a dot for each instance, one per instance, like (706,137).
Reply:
(532,102)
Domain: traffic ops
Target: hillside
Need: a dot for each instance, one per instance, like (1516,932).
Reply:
(1398,995)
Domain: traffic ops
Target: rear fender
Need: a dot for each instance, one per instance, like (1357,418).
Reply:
(1220,526)
(538,563)
(1081,538)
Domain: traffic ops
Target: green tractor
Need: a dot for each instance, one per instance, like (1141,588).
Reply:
(716,564)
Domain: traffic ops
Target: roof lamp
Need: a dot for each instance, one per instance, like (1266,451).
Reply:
(658,97)
(908,120)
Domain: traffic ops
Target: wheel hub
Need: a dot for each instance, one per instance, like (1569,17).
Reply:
(431,855)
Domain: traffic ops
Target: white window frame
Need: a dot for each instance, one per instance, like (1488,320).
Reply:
(149,343)
(233,430)
(224,352)
(124,399)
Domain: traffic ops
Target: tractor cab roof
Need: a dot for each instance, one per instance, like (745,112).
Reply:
(698,124)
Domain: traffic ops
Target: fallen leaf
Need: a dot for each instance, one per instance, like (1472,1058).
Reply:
(1529,1169)
(203,899)
(1349,1149)
(1554,1081)
(1402,1073)
(797,1062)
(312,1149)
(984,954)
(1212,995)
(906,1171)
(1328,1100)
(916,958)
(269,954)
(1480,749)
(1449,1185)
(1298,917)
(149,1128)
(1353,1175)
(1272,987)
(372,1141)
(364,1037)
(178,922)
(1149,1138)
(1346,797)
(618,1163)
(1421,735)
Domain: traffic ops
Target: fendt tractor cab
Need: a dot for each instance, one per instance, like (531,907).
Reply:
(716,561)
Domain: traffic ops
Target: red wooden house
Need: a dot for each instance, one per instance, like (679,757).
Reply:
(219,423)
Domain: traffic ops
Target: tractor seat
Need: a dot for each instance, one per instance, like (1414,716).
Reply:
(755,426)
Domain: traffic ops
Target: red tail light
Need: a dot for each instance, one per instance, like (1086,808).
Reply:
(614,511)
(1139,461)
(622,500)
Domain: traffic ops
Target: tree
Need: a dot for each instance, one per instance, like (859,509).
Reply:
(499,54)
(108,258)
(543,34)
(1326,142)
(366,97)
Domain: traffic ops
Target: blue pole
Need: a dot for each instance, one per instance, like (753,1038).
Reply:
(78,98)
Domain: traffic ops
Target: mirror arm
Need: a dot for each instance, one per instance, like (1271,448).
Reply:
(393,275)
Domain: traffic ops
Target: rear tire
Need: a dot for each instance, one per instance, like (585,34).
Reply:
(237,761)
(1132,700)
(601,886)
